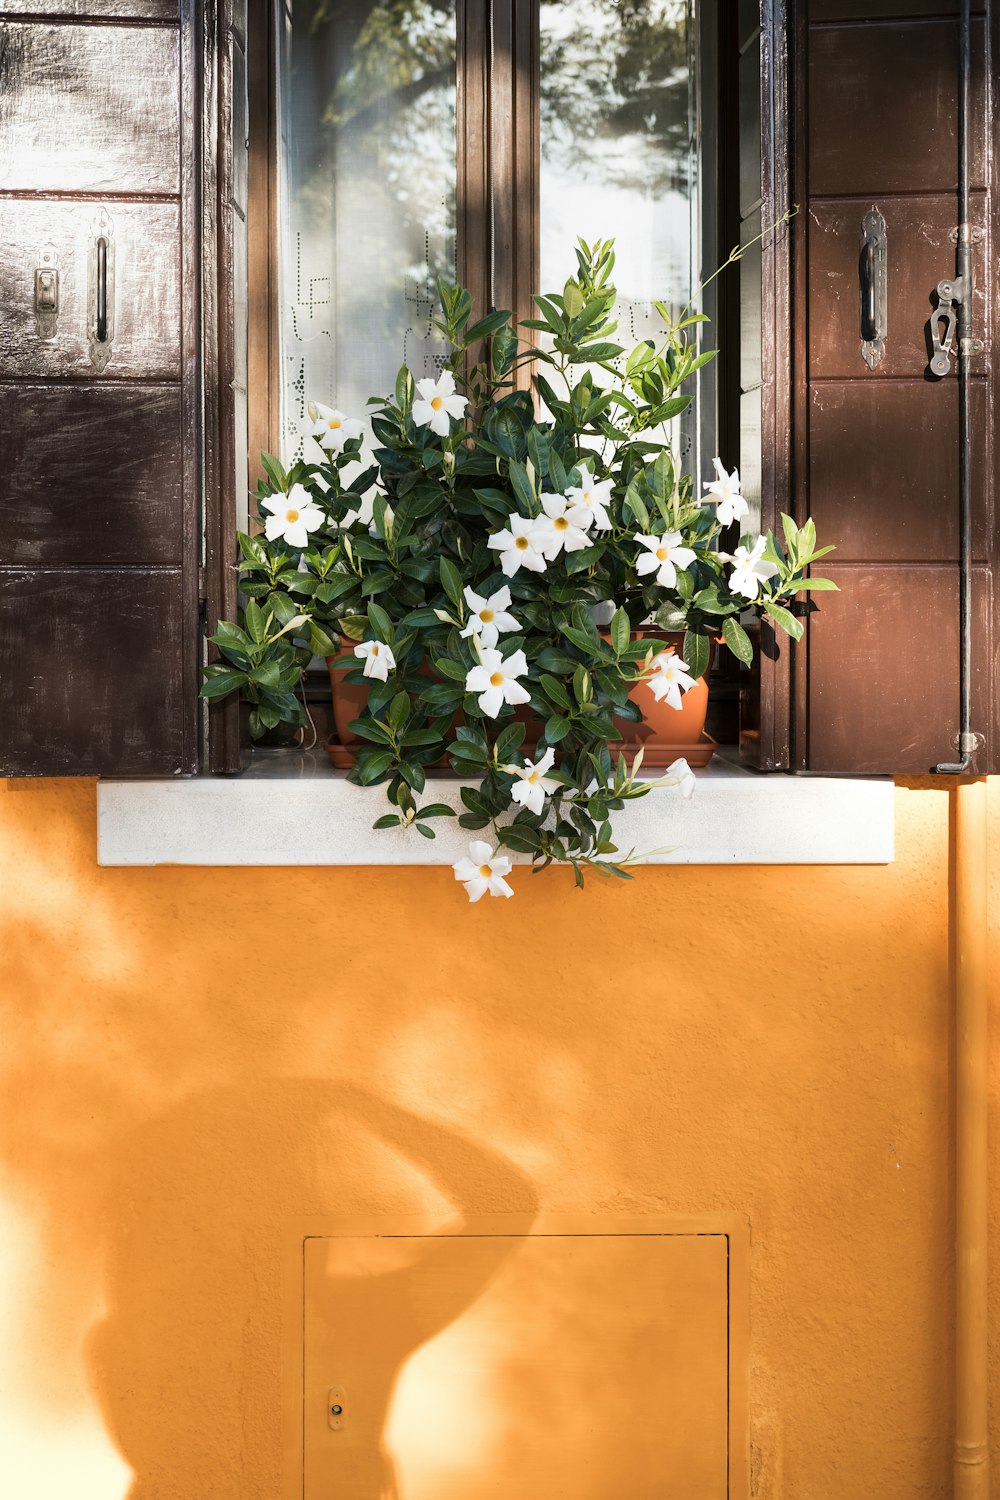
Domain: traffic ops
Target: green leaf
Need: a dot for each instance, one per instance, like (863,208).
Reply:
(521,839)
(621,630)
(404,394)
(508,741)
(818,585)
(380,623)
(274,471)
(399,710)
(737,640)
(413,774)
(388,820)
(523,487)
(487,326)
(371,729)
(267,674)
(453,669)
(473,800)
(428,833)
(223,682)
(556,729)
(697,649)
(787,621)
(372,764)
(554,690)
(573,299)
(253,615)
(321,644)
(451,581)
(437,810)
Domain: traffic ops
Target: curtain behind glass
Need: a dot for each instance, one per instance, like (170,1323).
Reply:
(366,115)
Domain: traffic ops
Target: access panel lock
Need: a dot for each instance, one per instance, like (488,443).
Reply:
(335,1412)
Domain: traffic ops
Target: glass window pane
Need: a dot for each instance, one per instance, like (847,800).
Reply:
(619,152)
(366,218)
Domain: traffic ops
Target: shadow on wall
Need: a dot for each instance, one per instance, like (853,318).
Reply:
(187,1360)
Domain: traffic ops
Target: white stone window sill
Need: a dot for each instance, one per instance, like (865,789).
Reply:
(291,808)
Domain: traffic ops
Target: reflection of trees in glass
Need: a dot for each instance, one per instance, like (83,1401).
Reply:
(615,90)
(371,100)
(367,110)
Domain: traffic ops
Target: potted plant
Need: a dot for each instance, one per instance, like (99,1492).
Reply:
(513,581)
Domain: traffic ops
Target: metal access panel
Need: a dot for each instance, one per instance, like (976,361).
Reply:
(588,1366)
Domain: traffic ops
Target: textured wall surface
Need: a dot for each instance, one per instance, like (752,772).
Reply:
(194,1059)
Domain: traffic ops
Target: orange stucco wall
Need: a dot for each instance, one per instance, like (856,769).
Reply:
(192,1059)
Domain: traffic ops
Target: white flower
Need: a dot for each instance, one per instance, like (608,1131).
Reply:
(378,659)
(680,774)
(668,677)
(495,680)
(483,871)
(594,497)
(292,516)
(569,526)
(532,785)
(724,491)
(523,544)
(750,569)
(488,617)
(334,429)
(664,557)
(438,403)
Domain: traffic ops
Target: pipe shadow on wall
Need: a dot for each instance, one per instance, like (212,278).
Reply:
(185,1364)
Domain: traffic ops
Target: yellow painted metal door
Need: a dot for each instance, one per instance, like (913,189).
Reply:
(460,1367)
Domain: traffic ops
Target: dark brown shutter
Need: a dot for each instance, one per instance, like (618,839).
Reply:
(860,110)
(99,408)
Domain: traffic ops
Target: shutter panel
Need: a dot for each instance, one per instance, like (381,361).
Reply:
(99,406)
(873,453)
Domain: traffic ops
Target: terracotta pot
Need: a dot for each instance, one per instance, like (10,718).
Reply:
(350,699)
(666,732)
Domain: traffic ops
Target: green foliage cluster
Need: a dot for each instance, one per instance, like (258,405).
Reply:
(397,572)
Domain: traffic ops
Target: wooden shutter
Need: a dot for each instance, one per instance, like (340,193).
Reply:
(859,106)
(99,484)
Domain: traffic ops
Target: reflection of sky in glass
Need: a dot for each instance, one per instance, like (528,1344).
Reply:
(617,158)
(367,197)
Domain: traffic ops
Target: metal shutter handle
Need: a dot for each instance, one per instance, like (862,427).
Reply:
(872,271)
(101,292)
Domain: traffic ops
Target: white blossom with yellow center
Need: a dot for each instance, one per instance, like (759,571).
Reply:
(524,543)
(332,428)
(663,556)
(724,491)
(495,680)
(489,617)
(483,871)
(292,516)
(669,678)
(593,496)
(437,402)
(531,785)
(377,657)
(569,524)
